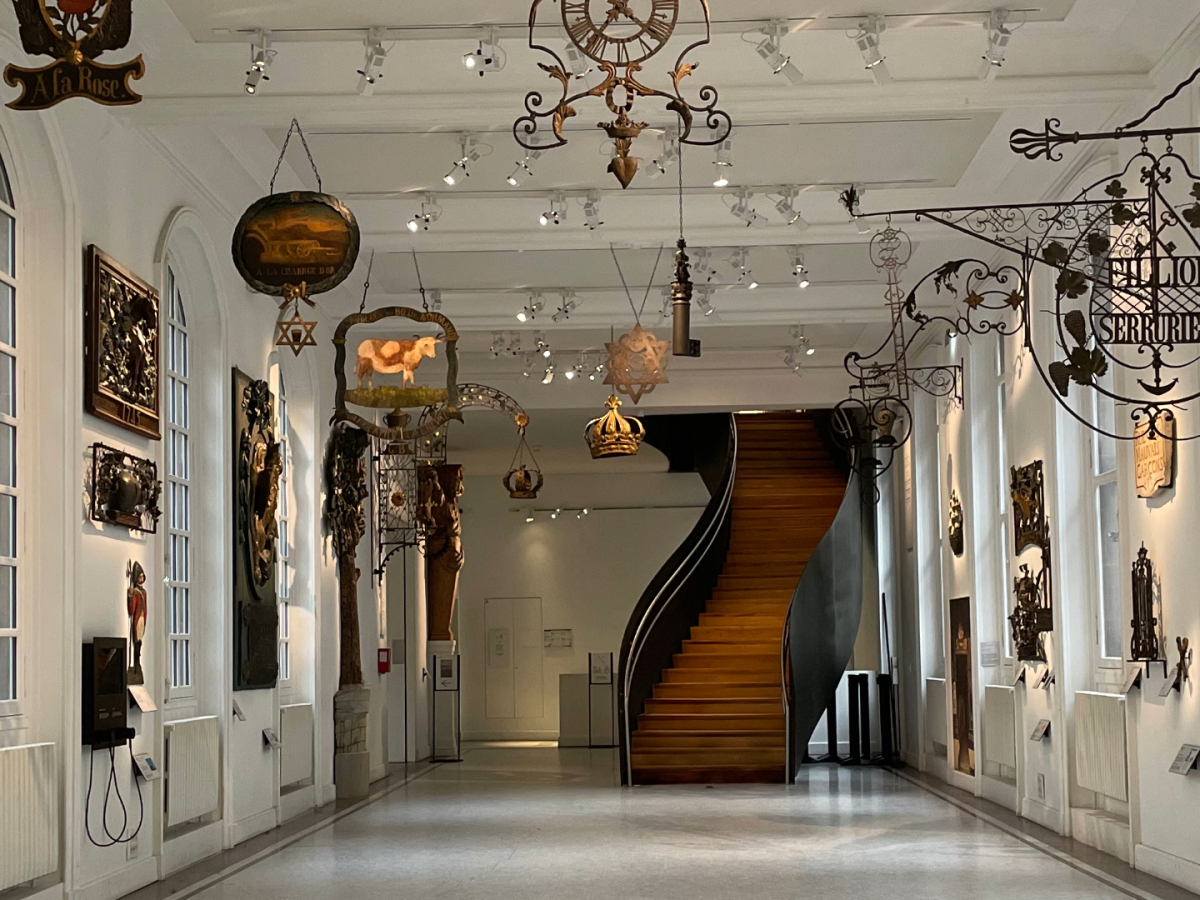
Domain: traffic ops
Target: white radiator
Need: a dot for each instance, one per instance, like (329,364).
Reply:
(296,732)
(28,813)
(1100,743)
(935,710)
(1000,725)
(193,768)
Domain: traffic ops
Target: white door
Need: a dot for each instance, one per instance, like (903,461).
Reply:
(513,679)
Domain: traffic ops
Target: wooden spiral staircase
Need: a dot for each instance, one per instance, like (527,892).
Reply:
(717,714)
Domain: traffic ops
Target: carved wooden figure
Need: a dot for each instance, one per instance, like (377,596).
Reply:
(439,488)
(137,606)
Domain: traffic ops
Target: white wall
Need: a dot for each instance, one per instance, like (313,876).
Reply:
(588,572)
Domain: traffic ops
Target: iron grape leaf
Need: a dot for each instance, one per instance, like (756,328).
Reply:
(1071,283)
(1055,254)
(1191,215)
(1098,243)
(1122,214)
(1086,365)
(1196,189)
(1115,189)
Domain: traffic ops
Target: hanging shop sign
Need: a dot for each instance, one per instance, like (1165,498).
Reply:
(295,245)
(121,346)
(125,489)
(637,363)
(1033,610)
(1145,645)
(612,434)
(1125,258)
(74,32)
(1154,457)
(620,42)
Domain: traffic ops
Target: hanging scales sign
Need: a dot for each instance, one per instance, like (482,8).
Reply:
(74,32)
(1125,258)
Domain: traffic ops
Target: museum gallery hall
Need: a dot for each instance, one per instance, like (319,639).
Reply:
(650,449)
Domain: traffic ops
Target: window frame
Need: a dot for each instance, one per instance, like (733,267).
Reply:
(178,373)
(14,706)
(1001,387)
(285,572)
(1096,481)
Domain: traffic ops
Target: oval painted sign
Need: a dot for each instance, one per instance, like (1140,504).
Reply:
(298,237)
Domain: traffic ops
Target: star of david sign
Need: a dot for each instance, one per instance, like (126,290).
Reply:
(637,363)
(296,334)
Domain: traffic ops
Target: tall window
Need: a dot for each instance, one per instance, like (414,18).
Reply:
(9,623)
(1107,526)
(283,517)
(179,475)
(1005,502)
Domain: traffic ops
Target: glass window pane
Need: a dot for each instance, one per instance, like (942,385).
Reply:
(8,455)
(1110,571)
(8,597)
(7,315)
(8,668)
(8,525)
(5,189)
(8,244)
(8,385)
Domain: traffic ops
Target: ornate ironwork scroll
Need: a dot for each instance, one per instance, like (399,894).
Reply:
(125,489)
(1126,260)
(1145,645)
(619,46)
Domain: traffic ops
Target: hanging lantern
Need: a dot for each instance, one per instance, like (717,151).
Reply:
(524,478)
(612,434)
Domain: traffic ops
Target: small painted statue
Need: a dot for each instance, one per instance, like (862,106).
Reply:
(137,605)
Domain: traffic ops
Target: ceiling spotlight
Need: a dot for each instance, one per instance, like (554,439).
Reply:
(261,57)
(799,269)
(522,171)
(529,517)
(867,39)
(373,61)
(668,154)
(702,265)
(773,56)
(723,163)
(536,304)
(851,199)
(430,213)
(569,305)
(997,46)
(488,57)
(470,154)
(785,206)
(591,211)
(580,66)
(739,261)
(742,210)
(557,213)
(435,300)
(704,299)
(542,347)
(547,377)
(569,374)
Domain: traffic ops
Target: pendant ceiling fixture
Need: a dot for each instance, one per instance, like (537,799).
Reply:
(524,478)
(637,363)
(1125,256)
(612,434)
(294,245)
(619,36)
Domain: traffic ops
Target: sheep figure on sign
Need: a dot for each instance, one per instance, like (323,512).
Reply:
(389,357)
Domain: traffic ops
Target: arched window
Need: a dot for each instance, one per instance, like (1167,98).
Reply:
(179,476)
(283,517)
(10,637)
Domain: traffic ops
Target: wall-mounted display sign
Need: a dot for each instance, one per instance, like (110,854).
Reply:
(1041,731)
(1185,759)
(120,346)
(125,489)
(600,667)
(557,638)
(1154,457)
(445,673)
(74,32)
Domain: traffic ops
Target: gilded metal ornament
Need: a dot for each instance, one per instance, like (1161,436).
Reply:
(629,34)
(121,346)
(613,434)
(523,479)
(296,333)
(125,489)
(1144,645)
(1028,490)
(259,466)
(1033,613)
(637,363)
(74,32)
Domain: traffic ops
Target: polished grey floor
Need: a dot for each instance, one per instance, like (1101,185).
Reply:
(538,822)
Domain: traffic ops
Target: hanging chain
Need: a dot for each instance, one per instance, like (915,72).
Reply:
(420,283)
(637,313)
(367,284)
(295,127)
(1161,103)
(679,144)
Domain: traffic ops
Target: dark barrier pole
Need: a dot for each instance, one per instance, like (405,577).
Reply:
(855,757)
(864,711)
(884,682)
(831,732)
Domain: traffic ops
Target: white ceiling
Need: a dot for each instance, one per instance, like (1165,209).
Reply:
(938,135)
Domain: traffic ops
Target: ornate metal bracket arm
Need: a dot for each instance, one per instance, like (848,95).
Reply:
(1035,144)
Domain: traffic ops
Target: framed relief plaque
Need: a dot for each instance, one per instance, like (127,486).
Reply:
(120,346)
